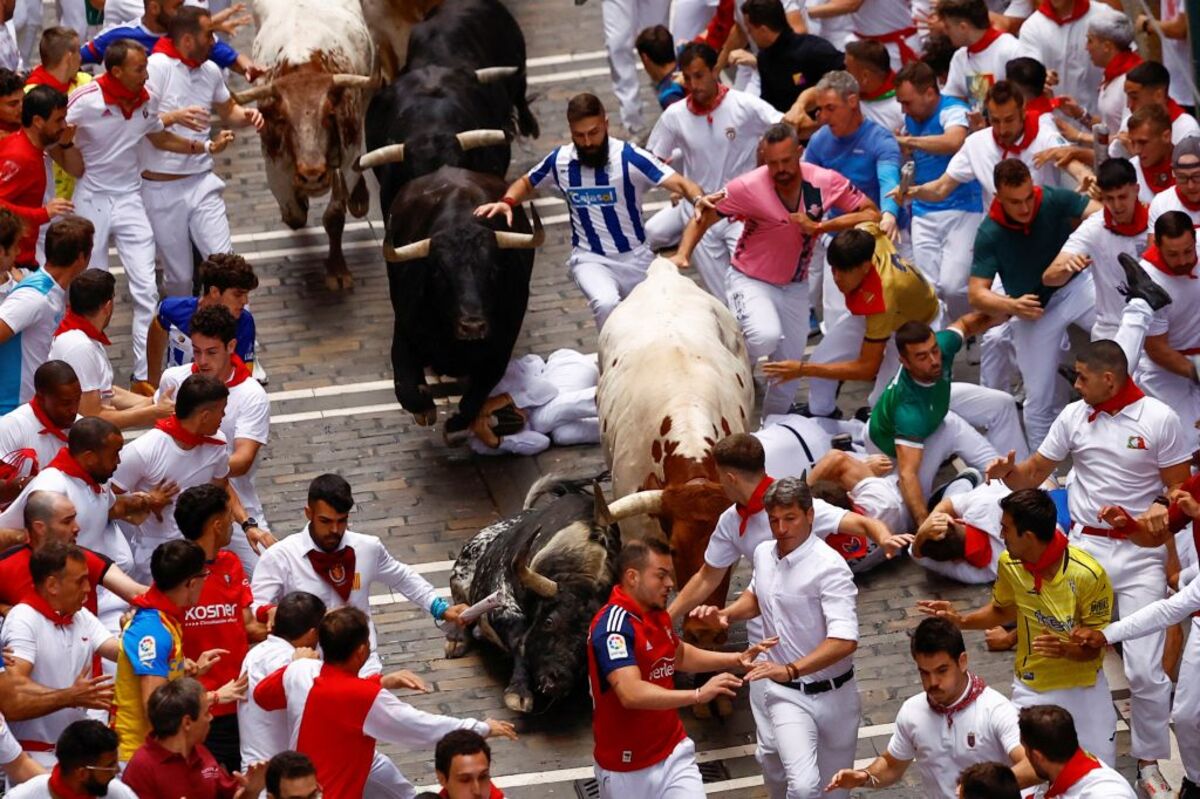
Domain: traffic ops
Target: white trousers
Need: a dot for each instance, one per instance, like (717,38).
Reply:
(1039,344)
(689,19)
(1181,393)
(943,244)
(676,777)
(1186,711)
(122,219)
(994,412)
(191,209)
(713,252)
(1137,575)
(1091,708)
(385,780)
(842,342)
(774,321)
(606,280)
(623,21)
(815,736)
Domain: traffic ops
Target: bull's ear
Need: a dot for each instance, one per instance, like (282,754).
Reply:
(602,515)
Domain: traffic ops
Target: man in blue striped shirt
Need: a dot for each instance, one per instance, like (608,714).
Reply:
(603,180)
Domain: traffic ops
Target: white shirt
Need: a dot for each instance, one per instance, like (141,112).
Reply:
(96,532)
(177,86)
(108,142)
(1063,48)
(247,416)
(89,359)
(58,655)
(885,111)
(1116,458)
(39,788)
(1157,616)
(805,597)
(715,152)
(1145,193)
(973,74)
(20,429)
(10,750)
(1103,245)
(33,315)
(979,507)
(1176,56)
(1179,320)
(263,733)
(1101,783)
(877,17)
(985,731)
(980,153)
(1111,105)
(155,457)
(1169,201)
(285,567)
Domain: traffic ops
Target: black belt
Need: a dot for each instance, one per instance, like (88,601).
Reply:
(800,438)
(823,686)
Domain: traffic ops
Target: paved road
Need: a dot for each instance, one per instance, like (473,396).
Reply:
(333,410)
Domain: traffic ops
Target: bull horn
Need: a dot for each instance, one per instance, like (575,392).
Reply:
(493,74)
(470,139)
(507,240)
(542,586)
(602,514)
(344,80)
(260,92)
(641,503)
(388,154)
(409,252)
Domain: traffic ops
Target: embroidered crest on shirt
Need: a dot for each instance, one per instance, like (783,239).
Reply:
(337,574)
(616,646)
(147,649)
(8,171)
(731,133)
(1136,442)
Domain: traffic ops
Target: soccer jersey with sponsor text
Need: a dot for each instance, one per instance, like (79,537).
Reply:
(909,411)
(151,646)
(218,621)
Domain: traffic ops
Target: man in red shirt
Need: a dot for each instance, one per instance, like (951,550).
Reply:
(463,762)
(173,762)
(44,131)
(222,618)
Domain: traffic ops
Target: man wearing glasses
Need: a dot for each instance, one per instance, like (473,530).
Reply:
(1185,194)
(87,766)
(151,651)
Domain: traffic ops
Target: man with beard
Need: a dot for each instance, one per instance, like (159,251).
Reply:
(785,205)
(1185,194)
(603,181)
(633,653)
(87,766)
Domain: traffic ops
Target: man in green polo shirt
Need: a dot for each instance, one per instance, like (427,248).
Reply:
(923,418)
(1025,229)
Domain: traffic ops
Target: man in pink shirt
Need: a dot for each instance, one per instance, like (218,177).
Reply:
(783,204)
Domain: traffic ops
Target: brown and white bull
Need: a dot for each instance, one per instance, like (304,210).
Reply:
(320,62)
(675,379)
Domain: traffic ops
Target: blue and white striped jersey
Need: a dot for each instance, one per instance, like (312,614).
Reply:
(605,203)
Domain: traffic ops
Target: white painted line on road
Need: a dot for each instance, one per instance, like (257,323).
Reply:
(577,74)
(565,58)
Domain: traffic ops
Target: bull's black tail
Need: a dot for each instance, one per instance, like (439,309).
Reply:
(552,486)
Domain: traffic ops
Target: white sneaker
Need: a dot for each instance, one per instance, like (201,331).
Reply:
(258,372)
(1151,784)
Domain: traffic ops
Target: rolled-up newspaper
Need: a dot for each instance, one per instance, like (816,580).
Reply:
(489,602)
(907,173)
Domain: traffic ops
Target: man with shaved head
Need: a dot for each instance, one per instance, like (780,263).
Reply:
(33,433)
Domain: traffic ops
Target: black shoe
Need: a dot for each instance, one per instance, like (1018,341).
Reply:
(842,441)
(1068,373)
(1188,790)
(863,414)
(801,409)
(1138,284)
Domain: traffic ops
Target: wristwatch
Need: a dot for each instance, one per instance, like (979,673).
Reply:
(250,522)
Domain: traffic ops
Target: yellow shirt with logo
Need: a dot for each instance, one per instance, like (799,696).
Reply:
(1078,595)
(907,296)
(151,645)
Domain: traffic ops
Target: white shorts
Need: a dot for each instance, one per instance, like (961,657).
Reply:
(675,777)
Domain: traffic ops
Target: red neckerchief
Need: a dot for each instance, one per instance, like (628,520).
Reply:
(154,599)
(42,77)
(73,321)
(175,429)
(1075,770)
(1174,109)
(1032,126)
(1078,9)
(72,468)
(1042,105)
(753,505)
(695,108)
(867,298)
(975,686)
(38,602)
(335,568)
(1183,201)
(168,48)
(1126,395)
(888,89)
(985,41)
(1121,63)
(60,789)
(495,794)
(241,372)
(977,546)
(116,94)
(1158,177)
(47,425)
(1054,550)
(997,215)
(1153,257)
(1135,227)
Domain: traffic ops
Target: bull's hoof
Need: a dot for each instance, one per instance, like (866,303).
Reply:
(457,647)
(724,706)
(339,281)
(425,418)
(520,704)
(703,712)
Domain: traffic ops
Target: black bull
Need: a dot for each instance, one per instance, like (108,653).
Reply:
(458,288)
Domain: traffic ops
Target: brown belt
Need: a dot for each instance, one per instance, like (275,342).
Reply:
(162,177)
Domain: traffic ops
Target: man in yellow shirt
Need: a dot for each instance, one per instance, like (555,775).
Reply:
(1048,588)
(883,291)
